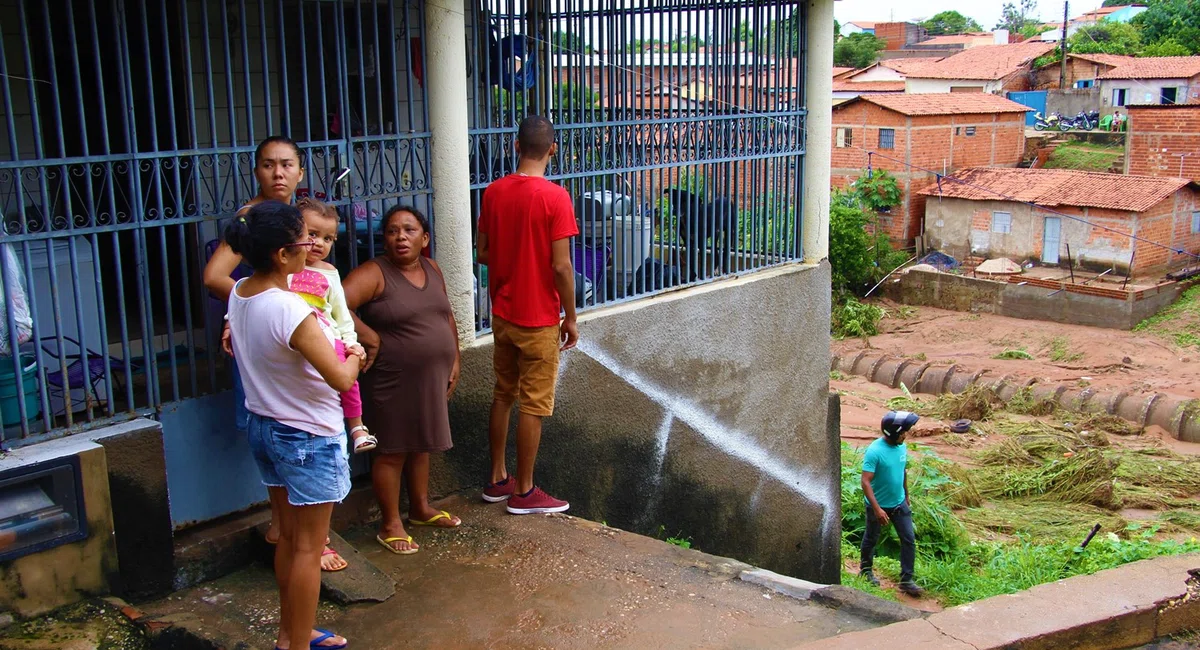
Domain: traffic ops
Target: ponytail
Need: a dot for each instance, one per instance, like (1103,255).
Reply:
(262,230)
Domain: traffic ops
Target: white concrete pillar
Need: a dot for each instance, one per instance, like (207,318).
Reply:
(446,92)
(818,97)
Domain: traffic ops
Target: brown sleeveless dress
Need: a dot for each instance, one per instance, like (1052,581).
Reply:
(404,393)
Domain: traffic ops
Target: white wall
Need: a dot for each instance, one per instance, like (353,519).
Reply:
(878,73)
(1147,91)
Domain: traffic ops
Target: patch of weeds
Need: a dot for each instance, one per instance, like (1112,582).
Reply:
(1177,323)
(681,542)
(1187,340)
(920,356)
(906,312)
(1060,352)
(973,316)
(1023,403)
(836,375)
(852,318)
(1014,354)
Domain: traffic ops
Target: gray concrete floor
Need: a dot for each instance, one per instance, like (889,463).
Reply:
(540,581)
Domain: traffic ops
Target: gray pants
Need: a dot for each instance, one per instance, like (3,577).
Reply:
(901,517)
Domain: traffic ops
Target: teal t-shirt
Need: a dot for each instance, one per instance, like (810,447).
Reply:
(887,461)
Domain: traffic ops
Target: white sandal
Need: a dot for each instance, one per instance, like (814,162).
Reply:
(364,444)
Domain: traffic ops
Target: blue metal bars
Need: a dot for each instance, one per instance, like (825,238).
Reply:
(129,135)
(680,129)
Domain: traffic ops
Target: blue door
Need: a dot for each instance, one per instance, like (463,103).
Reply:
(1035,100)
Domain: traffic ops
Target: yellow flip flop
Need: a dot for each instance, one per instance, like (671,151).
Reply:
(387,543)
(442,514)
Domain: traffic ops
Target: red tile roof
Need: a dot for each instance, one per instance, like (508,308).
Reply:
(1156,67)
(1104,59)
(986,62)
(907,66)
(944,103)
(868,86)
(1058,187)
(839,71)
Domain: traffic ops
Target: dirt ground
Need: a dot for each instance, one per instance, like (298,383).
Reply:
(1103,358)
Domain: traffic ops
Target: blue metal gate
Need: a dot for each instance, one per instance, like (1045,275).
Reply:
(1034,99)
(130,128)
(680,129)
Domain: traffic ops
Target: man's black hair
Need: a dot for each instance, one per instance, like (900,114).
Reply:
(535,136)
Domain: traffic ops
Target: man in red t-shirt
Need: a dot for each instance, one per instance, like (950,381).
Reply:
(525,226)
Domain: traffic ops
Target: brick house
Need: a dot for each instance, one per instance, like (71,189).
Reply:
(929,132)
(985,212)
(1163,140)
(1152,80)
(1082,70)
(987,69)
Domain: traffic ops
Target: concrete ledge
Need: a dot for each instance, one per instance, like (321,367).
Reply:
(864,605)
(1118,608)
(787,585)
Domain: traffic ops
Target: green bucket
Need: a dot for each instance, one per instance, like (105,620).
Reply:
(9,407)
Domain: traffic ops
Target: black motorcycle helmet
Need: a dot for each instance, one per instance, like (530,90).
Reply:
(896,423)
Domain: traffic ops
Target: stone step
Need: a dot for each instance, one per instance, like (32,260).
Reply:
(360,582)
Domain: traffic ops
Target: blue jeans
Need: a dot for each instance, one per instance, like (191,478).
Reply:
(901,517)
(314,469)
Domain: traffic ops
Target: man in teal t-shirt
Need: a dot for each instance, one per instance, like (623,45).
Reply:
(885,486)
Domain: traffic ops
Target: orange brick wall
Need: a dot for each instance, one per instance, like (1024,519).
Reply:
(938,142)
(1158,135)
(1169,222)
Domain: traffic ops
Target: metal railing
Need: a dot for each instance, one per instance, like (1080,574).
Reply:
(680,130)
(130,128)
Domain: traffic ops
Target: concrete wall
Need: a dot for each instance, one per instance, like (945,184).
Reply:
(1031,302)
(702,411)
(1149,91)
(962,228)
(925,86)
(1069,102)
(37,583)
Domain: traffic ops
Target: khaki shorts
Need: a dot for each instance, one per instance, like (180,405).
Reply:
(526,364)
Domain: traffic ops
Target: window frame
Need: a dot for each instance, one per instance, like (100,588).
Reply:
(891,138)
(1007,224)
(844,137)
(1123,93)
(1196,222)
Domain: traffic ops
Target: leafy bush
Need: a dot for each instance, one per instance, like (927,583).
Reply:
(850,256)
(1015,354)
(851,318)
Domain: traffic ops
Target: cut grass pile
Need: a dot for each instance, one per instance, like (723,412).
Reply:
(1017,520)
(975,403)
(1017,354)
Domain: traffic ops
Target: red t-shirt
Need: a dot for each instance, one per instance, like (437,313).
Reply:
(521,216)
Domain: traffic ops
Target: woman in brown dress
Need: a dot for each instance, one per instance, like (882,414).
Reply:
(406,324)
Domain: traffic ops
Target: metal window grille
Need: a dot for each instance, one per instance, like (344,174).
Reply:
(130,129)
(1002,222)
(887,138)
(680,128)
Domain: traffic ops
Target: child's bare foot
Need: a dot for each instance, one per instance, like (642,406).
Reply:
(362,439)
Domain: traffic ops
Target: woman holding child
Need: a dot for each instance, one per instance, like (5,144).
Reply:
(408,328)
(292,378)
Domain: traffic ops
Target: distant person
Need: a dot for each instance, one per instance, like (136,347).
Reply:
(1118,121)
(885,485)
(525,226)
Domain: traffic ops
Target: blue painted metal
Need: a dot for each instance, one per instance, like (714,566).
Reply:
(1034,99)
(638,118)
(116,173)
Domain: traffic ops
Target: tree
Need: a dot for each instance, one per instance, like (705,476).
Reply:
(1019,16)
(857,50)
(1168,47)
(1178,20)
(1118,3)
(837,30)
(950,22)
(568,44)
(1105,37)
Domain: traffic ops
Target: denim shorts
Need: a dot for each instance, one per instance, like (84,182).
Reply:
(313,469)
(241,415)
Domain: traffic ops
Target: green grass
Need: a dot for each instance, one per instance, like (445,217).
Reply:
(1060,353)
(851,318)
(1084,157)
(1178,322)
(836,375)
(968,551)
(1017,354)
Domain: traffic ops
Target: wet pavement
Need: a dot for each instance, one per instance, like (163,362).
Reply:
(539,581)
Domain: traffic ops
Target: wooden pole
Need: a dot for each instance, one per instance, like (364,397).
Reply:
(1062,73)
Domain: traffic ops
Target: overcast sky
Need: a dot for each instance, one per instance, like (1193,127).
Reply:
(987,12)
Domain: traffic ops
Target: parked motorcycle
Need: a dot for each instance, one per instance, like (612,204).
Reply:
(1084,121)
(1044,122)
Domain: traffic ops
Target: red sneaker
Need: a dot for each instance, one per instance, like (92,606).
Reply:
(500,491)
(535,502)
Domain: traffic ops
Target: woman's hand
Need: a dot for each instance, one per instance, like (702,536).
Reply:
(454,372)
(227,340)
(370,347)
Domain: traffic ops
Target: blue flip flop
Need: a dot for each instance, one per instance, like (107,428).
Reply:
(315,644)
